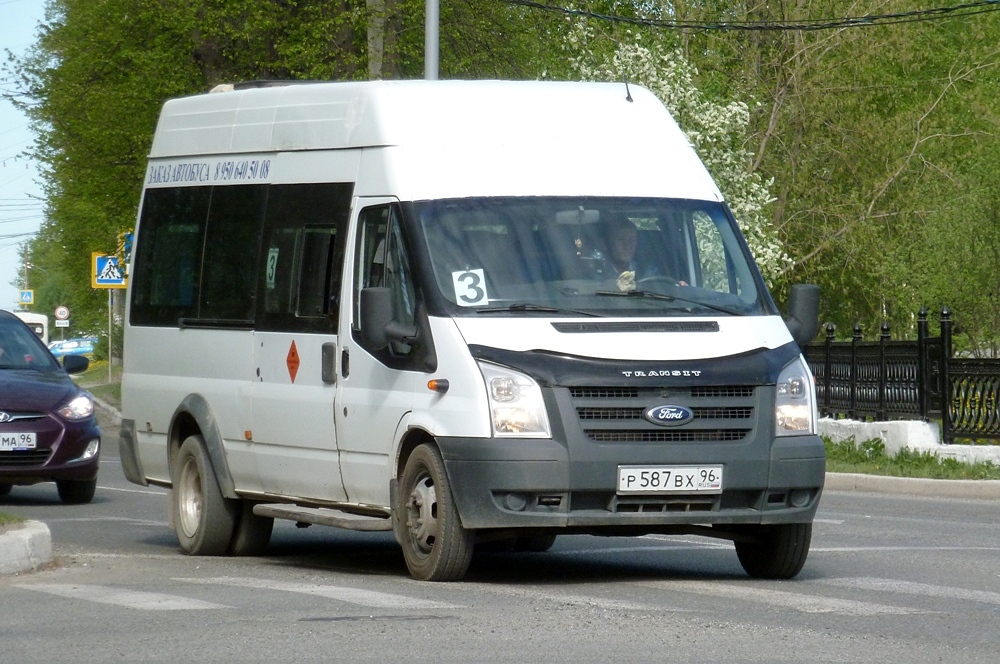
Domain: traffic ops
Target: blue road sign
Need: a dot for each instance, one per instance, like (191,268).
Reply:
(107,272)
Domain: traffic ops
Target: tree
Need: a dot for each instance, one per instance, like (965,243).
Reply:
(100,72)
(718,131)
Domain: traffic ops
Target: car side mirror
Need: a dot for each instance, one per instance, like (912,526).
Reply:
(376,314)
(75,363)
(803,313)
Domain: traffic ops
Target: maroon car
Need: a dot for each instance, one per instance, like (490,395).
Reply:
(48,430)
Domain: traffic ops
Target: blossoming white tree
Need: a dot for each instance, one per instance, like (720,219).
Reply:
(718,131)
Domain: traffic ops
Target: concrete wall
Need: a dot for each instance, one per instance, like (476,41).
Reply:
(917,436)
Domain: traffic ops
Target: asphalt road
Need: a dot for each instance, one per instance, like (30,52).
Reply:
(889,579)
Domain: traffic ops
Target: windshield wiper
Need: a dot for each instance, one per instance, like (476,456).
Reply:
(670,298)
(537,308)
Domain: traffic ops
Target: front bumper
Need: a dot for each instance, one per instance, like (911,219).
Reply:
(57,456)
(505,483)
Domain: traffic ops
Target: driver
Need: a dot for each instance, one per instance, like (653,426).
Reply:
(622,239)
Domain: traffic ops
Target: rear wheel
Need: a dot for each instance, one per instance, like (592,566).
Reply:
(252,532)
(776,551)
(76,492)
(435,545)
(203,519)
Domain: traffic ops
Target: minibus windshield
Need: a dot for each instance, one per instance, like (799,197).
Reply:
(587,257)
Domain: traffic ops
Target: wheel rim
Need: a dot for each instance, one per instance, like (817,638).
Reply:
(421,514)
(190,500)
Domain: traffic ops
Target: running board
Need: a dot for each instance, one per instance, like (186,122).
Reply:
(322,517)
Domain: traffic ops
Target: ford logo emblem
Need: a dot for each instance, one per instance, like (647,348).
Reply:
(669,416)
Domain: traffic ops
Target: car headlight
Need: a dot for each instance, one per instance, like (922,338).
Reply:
(795,402)
(516,405)
(80,408)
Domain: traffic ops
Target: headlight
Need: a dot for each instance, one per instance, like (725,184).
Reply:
(516,406)
(80,408)
(795,402)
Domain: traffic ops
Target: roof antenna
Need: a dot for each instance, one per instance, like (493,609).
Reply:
(628,94)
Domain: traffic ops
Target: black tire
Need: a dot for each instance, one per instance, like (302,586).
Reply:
(76,492)
(435,545)
(203,519)
(775,552)
(252,533)
(534,543)
(5,489)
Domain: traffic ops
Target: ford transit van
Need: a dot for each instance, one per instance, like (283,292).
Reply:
(475,314)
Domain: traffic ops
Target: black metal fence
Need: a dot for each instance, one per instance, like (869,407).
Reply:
(908,380)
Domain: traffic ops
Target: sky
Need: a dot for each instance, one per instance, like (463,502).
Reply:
(21,205)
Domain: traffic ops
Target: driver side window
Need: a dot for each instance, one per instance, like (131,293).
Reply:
(382,262)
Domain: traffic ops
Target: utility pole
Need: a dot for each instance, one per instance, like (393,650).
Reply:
(431,39)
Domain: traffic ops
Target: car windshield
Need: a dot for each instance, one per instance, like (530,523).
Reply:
(588,257)
(21,349)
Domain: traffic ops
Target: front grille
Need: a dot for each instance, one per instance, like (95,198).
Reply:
(24,458)
(721,414)
(603,392)
(666,436)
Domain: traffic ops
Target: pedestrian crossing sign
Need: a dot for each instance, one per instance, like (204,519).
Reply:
(107,272)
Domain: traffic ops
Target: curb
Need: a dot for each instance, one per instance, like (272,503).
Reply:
(26,547)
(910,486)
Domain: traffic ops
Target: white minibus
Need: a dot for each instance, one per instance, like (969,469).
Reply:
(39,324)
(471,313)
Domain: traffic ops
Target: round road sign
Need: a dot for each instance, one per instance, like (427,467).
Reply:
(62,313)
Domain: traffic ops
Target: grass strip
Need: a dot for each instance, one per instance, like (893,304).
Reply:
(869,458)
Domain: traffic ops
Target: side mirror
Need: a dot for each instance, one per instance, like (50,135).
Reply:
(376,314)
(75,363)
(803,313)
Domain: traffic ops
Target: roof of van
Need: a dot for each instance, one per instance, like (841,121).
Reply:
(563,127)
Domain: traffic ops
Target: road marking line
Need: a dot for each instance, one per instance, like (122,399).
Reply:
(133,599)
(913,588)
(164,492)
(369,598)
(141,522)
(588,601)
(798,601)
(894,549)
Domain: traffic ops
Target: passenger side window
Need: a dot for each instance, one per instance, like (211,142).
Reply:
(302,257)
(227,286)
(167,263)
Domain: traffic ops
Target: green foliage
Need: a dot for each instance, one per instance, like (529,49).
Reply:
(100,71)
(10,519)
(861,159)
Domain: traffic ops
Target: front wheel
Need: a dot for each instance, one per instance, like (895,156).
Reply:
(204,519)
(435,545)
(776,551)
(76,492)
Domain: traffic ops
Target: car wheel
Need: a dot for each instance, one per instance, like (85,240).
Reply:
(5,489)
(774,552)
(435,545)
(204,520)
(76,492)
(252,532)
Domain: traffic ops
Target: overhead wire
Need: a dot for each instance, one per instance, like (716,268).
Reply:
(868,20)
